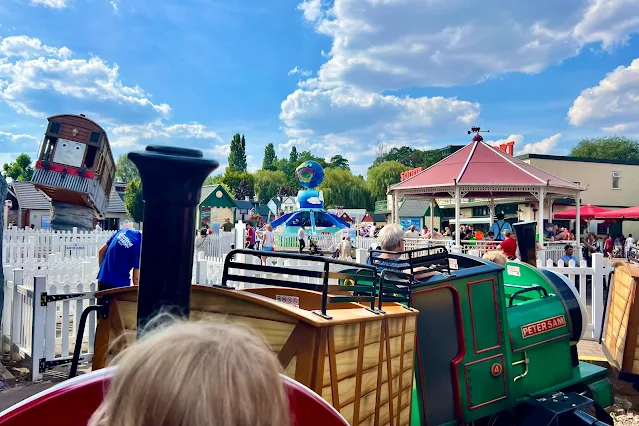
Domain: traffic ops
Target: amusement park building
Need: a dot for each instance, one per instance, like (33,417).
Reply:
(31,207)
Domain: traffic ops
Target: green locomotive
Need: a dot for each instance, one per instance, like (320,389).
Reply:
(498,345)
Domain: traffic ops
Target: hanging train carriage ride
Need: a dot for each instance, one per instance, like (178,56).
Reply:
(426,338)
(75,164)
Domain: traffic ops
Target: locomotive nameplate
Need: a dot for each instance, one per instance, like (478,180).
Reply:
(542,326)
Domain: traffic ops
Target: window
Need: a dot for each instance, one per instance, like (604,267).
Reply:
(95,137)
(54,128)
(90,158)
(616,176)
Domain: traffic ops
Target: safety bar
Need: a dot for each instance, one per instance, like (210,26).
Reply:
(526,290)
(355,273)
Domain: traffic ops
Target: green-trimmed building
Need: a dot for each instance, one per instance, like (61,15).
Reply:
(216,204)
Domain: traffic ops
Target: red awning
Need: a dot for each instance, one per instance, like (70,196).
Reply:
(631,213)
(587,212)
(482,164)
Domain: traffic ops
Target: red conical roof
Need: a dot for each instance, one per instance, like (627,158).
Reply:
(482,164)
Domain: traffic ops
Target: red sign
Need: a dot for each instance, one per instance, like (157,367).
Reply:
(508,147)
(496,369)
(542,326)
(409,173)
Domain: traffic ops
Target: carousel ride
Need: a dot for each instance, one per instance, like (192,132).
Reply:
(422,337)
(310,211)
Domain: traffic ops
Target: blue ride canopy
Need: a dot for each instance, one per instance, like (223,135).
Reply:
(310,218)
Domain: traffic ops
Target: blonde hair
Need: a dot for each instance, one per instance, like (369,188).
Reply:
(193,374)
(496,256)
(268,227)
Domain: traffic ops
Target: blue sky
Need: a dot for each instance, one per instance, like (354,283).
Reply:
(335,77)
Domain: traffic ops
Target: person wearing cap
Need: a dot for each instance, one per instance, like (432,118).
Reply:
(509,245)
(499,227)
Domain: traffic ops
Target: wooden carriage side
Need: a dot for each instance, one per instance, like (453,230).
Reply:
(348,359)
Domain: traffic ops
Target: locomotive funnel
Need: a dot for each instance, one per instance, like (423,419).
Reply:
(172,181)
(526,233)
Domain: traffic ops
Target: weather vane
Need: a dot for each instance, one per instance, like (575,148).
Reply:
(477,130)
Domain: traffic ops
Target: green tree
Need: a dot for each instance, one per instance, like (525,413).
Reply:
(217,180)
(125,170)
(287,190)
(293,157)
(133,201)
(410,157)
(269,158)
(268,183)
(341,188)
(243,190)
(233,180)
(608,148)
(379,177)
(237,154)
(339,162)
(20,169)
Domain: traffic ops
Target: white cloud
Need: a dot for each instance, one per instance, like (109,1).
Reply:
(613,105)
(114,5)
(28,47)
(544,146)
(32,84)
(130,135)
(13,137)
(393,44)
(346,120)
(54,4)
(300,71)
(312,10)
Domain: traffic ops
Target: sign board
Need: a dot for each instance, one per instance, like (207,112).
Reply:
(74,247)
(542,326)
(8,203)
(508,147)
(513,270)
(409,174)
(288,300)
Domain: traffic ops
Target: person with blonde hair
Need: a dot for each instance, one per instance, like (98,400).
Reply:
(194,374)
(268,240)
(496,256)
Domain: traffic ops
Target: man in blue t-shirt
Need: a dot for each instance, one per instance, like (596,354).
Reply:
(117,257)
(499,227)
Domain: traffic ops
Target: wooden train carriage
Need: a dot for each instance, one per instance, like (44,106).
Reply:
(346,359)
(75,164)
(621,334)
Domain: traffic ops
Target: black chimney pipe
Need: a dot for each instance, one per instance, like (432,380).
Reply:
(172,181)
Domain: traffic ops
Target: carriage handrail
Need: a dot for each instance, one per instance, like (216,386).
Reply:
(361,293)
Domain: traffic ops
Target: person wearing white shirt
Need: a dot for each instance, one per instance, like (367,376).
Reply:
(629,243)
(372,229)
(301,236)
(411,233)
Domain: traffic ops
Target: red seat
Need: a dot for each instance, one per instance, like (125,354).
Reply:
(72,403)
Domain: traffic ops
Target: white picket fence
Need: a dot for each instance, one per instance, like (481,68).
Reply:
(41,313)
(590,282)
(28,245)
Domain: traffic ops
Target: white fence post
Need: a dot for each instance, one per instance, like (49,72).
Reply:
(597,292)
(38,331)
(16,315)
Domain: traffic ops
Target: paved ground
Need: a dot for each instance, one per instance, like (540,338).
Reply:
(590,350)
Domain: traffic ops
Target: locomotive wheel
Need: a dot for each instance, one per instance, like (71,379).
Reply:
(504,418)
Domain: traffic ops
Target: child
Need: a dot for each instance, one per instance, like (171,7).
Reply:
(194,374)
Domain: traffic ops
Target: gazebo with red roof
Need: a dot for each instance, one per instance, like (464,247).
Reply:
(482,171)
